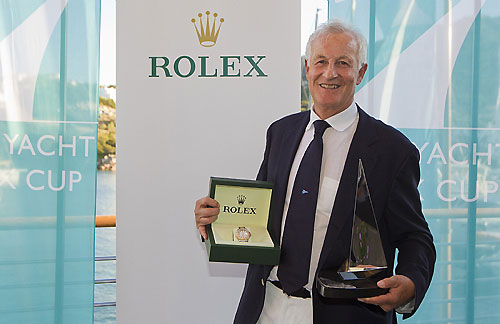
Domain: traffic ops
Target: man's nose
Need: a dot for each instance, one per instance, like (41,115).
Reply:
(330,72)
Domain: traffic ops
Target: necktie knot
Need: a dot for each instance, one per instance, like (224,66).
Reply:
(319,127)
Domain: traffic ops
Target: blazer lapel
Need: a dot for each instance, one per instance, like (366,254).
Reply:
(288,149)
(343,208)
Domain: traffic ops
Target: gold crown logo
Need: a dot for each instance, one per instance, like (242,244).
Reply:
(206,35)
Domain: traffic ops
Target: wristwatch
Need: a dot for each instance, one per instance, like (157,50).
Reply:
(242,234)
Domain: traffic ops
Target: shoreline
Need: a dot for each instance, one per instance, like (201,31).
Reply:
(107,163)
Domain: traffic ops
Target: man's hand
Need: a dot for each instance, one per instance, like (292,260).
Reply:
(205,212)
(401,291)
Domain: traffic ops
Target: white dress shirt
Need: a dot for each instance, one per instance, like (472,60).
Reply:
(336,142)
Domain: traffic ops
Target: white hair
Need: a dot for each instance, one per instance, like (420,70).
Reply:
(337,26)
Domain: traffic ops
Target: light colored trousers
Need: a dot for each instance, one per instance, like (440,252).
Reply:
(282,309)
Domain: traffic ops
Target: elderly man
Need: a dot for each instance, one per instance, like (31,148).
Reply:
(319,150)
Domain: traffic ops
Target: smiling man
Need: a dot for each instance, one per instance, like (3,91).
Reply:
(333,69)
(312,159)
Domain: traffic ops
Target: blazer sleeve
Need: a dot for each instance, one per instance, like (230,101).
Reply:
(408,229)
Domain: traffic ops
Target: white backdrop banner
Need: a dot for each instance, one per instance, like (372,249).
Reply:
(198,84)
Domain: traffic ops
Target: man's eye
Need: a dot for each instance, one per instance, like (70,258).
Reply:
(321,62)
(343,63)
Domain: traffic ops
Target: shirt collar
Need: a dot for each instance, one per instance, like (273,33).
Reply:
(340,121)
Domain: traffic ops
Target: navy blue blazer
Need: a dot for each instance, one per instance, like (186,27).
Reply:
(392,171)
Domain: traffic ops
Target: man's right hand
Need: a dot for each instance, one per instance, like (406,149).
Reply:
(206,211)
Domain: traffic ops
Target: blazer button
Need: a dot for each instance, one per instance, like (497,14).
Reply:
(262,282)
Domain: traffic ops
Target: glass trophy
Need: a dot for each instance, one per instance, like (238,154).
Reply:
(357,277)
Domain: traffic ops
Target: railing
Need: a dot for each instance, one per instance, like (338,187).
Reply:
(105,221)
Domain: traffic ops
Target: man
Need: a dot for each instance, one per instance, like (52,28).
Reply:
(335,64)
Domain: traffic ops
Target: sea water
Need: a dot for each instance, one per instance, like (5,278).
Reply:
(105,245)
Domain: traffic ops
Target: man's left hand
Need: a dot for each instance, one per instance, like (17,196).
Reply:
(401,291)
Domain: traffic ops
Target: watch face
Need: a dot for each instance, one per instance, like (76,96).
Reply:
(243,234)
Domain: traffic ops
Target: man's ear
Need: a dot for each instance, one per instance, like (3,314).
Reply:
(361,73)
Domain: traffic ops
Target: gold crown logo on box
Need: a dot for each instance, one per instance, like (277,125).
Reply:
(206,35)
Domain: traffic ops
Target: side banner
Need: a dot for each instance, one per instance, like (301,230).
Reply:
(434,74)
(198,84)
(49,57)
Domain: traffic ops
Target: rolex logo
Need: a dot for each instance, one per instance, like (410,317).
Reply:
(241,199)
(240,209)
(206,34)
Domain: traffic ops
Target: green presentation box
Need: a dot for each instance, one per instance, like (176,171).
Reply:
(241,232)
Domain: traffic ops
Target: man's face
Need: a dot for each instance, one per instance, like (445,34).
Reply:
(333,73)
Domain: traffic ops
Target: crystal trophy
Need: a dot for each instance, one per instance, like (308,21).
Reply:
(357,277)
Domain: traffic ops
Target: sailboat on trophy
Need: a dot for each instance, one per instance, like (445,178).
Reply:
(357,277)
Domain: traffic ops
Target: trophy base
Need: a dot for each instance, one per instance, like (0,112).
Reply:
(331,285)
